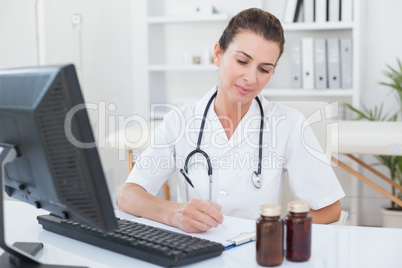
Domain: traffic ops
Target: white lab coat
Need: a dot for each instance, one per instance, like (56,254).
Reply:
(235,160)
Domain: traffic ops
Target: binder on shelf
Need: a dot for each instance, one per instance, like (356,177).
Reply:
(299,14)
(321,11)
(307,45)
(291,12)
(333,63)
(320,50)
(334,10)
(347,10)
(295,63)
(346,63)
(308,7)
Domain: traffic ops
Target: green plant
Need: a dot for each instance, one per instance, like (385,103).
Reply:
(393,163)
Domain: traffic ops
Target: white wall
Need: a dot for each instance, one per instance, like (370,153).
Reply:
(106,57)
(106,64)
(108,38)
(381,45)
(17,33)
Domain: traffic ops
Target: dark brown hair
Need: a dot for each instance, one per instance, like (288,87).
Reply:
(257,21)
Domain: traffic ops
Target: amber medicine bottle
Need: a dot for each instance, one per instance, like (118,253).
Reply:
(270,236)
(298,231)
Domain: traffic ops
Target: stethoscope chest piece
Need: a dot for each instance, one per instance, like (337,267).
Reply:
(255,178)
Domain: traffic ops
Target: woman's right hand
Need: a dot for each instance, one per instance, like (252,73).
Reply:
(197,216)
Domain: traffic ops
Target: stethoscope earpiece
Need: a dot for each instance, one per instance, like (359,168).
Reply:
(255,178)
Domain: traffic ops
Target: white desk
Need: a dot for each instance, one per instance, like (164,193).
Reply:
(333,246)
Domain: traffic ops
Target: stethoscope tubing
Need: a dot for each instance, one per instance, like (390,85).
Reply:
(255,177)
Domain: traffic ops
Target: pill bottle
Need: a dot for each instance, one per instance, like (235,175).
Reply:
(298,231)
(269,238)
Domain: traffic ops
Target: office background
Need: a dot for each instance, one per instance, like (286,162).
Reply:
(109,49)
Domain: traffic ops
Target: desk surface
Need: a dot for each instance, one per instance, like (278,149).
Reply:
(333,246)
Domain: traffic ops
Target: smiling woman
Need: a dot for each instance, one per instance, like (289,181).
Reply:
(223,124)
(246,66)
(247,53)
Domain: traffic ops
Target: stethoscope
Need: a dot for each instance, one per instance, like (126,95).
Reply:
(255,176)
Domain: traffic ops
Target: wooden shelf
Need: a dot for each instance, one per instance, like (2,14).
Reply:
(225,18)
(175,68)
(186,19)
(318,26)
(308,92)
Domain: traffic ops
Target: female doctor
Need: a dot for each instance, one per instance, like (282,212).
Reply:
(233,144)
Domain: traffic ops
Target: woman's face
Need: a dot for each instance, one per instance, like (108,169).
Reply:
(246,66)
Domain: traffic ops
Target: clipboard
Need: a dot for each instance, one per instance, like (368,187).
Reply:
(242,238)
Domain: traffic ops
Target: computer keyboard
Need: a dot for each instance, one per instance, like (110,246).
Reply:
(137,240)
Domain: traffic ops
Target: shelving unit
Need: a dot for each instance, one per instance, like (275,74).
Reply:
(350,95)
(162,78)
(169,80)
(170,38)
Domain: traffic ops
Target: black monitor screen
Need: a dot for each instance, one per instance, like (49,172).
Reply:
(58,166)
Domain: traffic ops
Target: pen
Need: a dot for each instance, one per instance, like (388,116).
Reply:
(196,192)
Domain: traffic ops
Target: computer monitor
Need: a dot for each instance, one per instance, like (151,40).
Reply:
(44,122)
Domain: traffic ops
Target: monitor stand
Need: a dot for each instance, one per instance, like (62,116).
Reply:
(20,255)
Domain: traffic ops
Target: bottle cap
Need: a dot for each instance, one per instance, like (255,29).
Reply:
(270,210)
(298,206)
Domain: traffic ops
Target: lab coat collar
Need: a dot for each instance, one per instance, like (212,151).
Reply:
(248,127)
